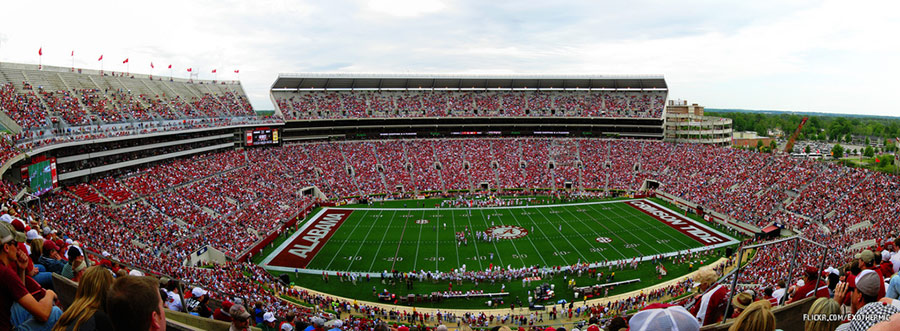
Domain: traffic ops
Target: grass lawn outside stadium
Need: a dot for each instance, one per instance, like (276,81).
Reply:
(373,239)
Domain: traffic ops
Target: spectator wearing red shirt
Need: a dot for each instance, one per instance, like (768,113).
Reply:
(710,306)
(19,308)
(812,286)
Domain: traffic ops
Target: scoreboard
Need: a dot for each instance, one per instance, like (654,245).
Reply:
(261,136)
(41,175)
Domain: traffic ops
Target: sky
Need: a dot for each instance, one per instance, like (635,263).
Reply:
(825,56)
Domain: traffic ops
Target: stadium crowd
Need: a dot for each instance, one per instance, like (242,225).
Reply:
(153,218)
(387,104)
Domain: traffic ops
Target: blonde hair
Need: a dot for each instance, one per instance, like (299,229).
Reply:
(89,297)
(705,275)
(823,306)
(757,317)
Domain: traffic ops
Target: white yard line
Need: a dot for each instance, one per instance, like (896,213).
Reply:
(418,241)
(494,241)
(400,242)
(342,244)
(513,213)
(474,242)
(612,233)
(375,257)
(557,250)
(632,232)
(680,239)
(584,258)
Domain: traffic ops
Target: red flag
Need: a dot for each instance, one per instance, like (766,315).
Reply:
(126,61)
(101,58)
(41,51)
(73,53)
(170,66)
(237,71)
(189,69)
(151,65)
(214,71)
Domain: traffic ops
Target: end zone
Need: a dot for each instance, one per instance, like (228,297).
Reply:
(687,226)
(297,251)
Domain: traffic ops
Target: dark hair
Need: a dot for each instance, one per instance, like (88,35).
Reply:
(73,253)
(867,298)
(768,291)
(781,283)
(617,323)
(131,302)
(896,242)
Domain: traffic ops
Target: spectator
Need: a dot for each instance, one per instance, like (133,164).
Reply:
(709,306)
(76,266)
(240,318)
(258,312)
(221,313)
(740,302)
(867,262)
(895,257)
(269,322)
(50,258)
(336,325)
(173,297)
(617,324)
(827,309)
(21,309)
(893,290)
(864,301)
(202,298)
(778,293)
(757,317)
(88,311)
(812,286)
(134,303)
(670,318)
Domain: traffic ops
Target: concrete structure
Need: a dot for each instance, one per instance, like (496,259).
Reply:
(750,139)
(686,123)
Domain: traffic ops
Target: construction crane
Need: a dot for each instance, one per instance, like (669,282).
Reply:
(790,144)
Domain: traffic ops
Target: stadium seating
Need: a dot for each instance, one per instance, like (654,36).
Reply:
(57,105)
(303,105)
(229,200)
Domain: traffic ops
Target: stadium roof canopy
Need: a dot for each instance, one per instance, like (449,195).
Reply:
(288,82)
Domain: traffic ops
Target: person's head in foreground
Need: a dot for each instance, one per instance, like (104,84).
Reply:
(89,298)
(133,303)
(757,317)
(823,307)
(674,318)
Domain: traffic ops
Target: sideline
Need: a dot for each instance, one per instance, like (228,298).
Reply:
(568,323)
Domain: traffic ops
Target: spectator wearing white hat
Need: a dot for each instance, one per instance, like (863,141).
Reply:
(270,323)
(202,298)
(674,318)
(336,325)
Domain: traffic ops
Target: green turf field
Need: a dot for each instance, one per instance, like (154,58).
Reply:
(376,239)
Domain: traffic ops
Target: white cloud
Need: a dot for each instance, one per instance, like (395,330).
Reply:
(833,56)
(404,8)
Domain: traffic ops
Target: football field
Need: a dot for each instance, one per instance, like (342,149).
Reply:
(374,240)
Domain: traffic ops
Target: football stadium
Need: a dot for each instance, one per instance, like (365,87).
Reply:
(423,201)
